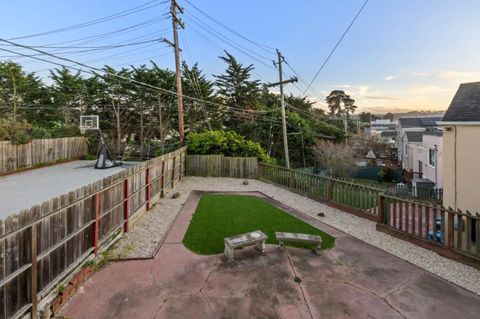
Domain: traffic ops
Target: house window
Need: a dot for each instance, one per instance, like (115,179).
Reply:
(432,157)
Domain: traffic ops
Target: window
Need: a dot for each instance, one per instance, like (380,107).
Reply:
(432,157)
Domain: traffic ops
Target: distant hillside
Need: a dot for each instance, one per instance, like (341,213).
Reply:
(396,116)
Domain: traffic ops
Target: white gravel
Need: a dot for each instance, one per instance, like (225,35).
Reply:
(143,239)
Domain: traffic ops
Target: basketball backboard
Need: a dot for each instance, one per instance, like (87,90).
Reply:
(89,122)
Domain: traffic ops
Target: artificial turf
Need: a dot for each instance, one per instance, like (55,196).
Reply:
(220,216)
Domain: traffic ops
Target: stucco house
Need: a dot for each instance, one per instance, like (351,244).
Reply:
(461,149)
(425,155)
(410,130)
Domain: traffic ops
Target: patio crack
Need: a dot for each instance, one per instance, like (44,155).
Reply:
(197,293)
(384,299)
(299,284)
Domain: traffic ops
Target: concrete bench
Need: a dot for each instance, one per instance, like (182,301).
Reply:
(256,238)
(305,238)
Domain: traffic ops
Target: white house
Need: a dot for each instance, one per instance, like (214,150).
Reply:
(409,130)
(425,157)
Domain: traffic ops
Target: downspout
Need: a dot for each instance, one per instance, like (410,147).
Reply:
(455,163)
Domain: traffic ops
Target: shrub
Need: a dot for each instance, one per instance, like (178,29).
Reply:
(386,175)
(227,143)
(337,159)
(15,131)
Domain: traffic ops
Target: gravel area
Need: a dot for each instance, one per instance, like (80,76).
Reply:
(145,236)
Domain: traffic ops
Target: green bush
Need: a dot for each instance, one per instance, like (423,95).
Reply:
(386,175)
(15,131)
(227,143)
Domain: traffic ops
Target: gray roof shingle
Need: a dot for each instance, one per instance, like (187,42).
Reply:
(465,106)
(414,136)
(406,122)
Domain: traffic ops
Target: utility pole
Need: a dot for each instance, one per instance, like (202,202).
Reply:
(280,83)
(178,22)
(160,120)
(14,99)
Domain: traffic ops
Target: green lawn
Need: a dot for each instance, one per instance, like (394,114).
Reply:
(220,216)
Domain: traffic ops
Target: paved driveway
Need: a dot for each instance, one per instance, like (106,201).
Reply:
(352,280)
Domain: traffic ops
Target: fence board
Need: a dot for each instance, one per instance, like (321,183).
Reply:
(64,227)
(44,151)
(221,166)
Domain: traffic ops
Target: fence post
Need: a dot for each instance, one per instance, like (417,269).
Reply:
(181,167)
(330,190)
(95,225)
(163,174)
(380,206)
(147,188)
(126,206)
(292,179)
(33,278)
(173,172)
(450,229)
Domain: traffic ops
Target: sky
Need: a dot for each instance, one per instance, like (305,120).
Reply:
(398,55)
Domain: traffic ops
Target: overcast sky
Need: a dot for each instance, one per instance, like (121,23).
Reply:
(398,55)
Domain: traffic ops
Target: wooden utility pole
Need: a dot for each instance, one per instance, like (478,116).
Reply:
(282,103)
(176,22)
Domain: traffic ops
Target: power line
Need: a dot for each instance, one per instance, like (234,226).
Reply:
(336,46)
(258,44)
(227,41)
(92,22)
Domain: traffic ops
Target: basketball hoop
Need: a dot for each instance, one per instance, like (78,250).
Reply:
(104,159)
(89,123)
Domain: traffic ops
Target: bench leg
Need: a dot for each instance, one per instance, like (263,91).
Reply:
(261,246)
(229,253)
(318,249)
(281,244)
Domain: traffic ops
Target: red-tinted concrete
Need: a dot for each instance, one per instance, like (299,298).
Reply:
(352,280)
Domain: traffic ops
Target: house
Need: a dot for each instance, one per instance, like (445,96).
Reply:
(461,149)
(414,126)
(425,151)
(380,125)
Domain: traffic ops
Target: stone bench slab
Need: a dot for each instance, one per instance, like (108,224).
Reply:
(257,238)
(306,238)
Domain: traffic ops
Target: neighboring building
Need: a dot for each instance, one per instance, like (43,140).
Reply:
(414,126)
(461,149)
(425,155)
(380,125)
(410,142)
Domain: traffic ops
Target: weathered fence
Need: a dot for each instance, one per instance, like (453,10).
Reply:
(221,166)
(420,222)
(42,151)
(42,245)
(355,198)
(429,223)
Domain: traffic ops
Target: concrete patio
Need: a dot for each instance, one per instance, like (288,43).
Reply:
(352,280)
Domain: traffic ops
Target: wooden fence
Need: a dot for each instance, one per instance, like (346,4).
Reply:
(36,152)
(416,221)
(355,198)
(41,246)
(221,166)
(423,222)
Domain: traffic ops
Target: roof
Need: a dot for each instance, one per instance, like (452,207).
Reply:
(465,106)
(370,155)
(414,136)
(406,122)
(434,132)
(388,134)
